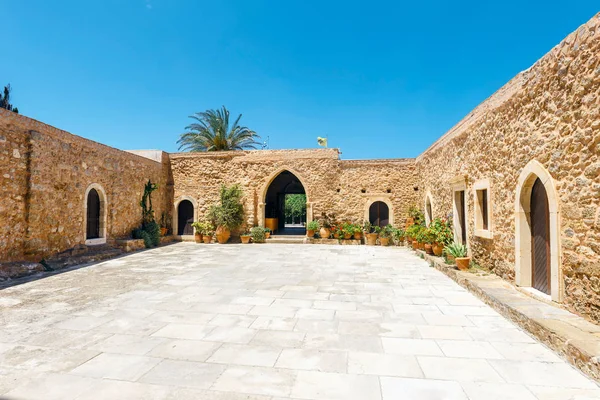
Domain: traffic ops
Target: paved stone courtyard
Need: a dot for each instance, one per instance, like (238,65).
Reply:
(260,322)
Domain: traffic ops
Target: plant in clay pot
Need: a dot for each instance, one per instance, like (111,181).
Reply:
(326,222)
(198,231)
(245,237)
(412,232)
(428,239)
(386,234)
(371,233)
(206,229)
(415,216)
(398,236)
(347,230)
(229,214)
(357,231)
(258,234)
(460,254)
(442,231)
(267,232)
(311,228)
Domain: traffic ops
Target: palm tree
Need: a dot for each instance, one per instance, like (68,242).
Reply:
(5,100)
(212,132)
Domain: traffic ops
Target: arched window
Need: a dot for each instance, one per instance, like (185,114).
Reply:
(379,214)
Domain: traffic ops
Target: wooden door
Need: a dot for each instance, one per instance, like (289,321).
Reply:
(540,238)
(93,215)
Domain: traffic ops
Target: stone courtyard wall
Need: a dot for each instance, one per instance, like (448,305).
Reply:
(44,173)
(549,113)
(331,185)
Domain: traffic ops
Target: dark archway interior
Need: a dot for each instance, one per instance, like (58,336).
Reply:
(379,214)
(540,237)
(284,183)
(185,218)
(93,215)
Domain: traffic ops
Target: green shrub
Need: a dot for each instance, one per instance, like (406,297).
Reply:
(312,226)
(230,213)
(153,230)
(258,234)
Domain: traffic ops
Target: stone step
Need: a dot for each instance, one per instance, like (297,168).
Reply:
(291,239)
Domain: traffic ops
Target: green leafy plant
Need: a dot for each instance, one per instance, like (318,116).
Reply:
(456,250)
(387,231)
(258,234)
(413,231)
(399,234)
(230,213)
(206,228)
(442,231)
(416,214)
(211,131)
(267,230)
(312,226)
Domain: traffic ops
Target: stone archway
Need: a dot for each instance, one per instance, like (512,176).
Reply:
(94,215)
(187,201)
(523,228)
(285,191)
(262,205)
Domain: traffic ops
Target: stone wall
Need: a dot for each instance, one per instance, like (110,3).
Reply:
(331,185)
(44,176)
(549,113)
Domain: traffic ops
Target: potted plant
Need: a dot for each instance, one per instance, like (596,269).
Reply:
(326,222)
(399,236)
(229,214)
(371,233)
(415,216)
(163,225)
(442,231)
(198,231)
(267,232)
(348,230)
(460,254)
(206,229)
(245,237)
(428,239)
(258,234)
(385,235)
(311,228)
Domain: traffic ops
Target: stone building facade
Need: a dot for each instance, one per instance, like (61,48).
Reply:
(540,133)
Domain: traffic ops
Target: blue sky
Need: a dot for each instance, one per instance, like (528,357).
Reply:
(380,79)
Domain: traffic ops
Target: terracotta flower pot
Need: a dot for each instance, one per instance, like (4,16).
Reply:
(163,231)
(384,241)
(324,233)
(400,241)
(428,249)
(463,263)
(347,236)
(310,233)
(372,239)
(207,239)
(198,237)
(438,249)
(267,235)
(415,245)
(245,238)
(223,234)
(421,246)
(357,236)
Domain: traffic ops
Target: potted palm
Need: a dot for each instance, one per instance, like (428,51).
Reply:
(198,231)
(258,234)
(311,228)
(460,254)
(229,214)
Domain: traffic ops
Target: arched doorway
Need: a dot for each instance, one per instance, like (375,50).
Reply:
(537,233)
(379,214)
(285,205)
(93,215)
(540,238)
(428,211)
(185,218)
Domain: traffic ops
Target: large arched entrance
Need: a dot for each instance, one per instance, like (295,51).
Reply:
(379,214)
(185,218)
(285,205)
